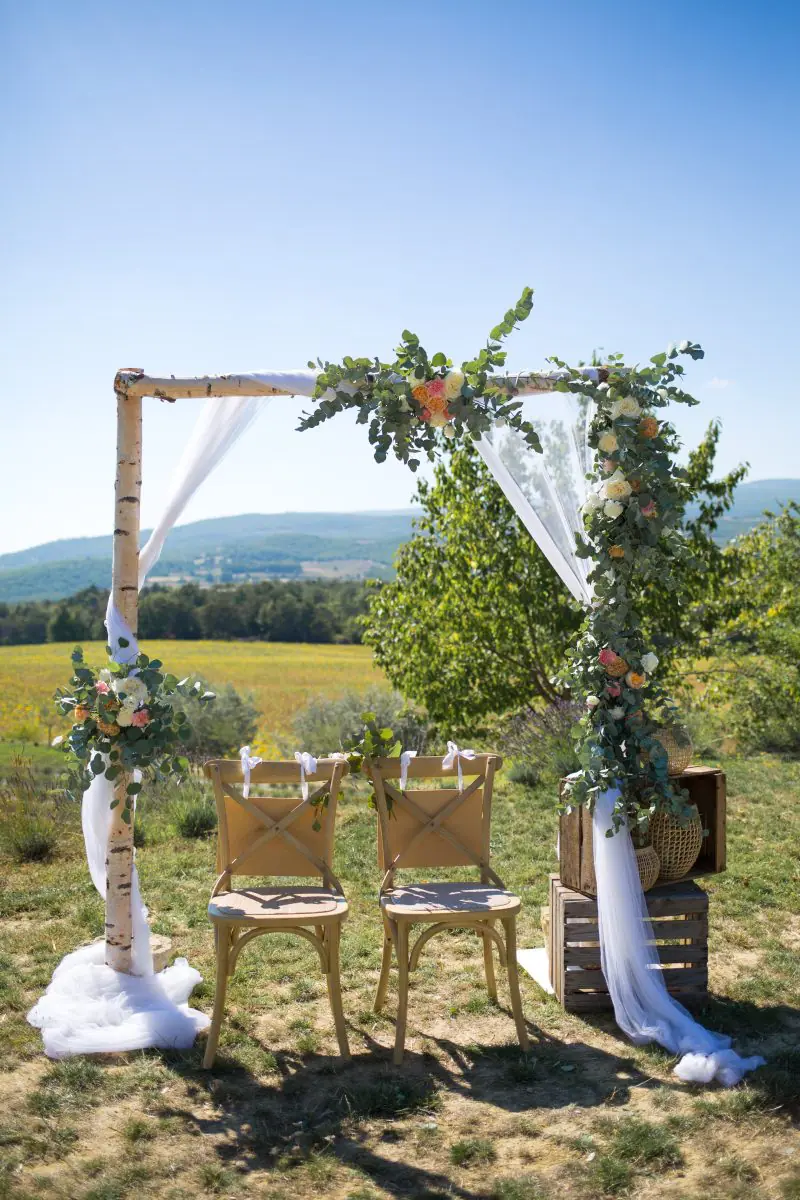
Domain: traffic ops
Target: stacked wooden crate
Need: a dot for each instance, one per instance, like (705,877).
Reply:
(678,911)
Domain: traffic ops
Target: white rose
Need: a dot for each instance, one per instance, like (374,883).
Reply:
(613,509)
(592,701)
(617,713)
(124,717)
(591,503)
(608,443)
(627,406)
(453,383)
(132,688)
(602,387)
(649,662)
(616,487)
(449,431)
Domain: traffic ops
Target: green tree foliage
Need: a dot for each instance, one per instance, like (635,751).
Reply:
(681,625)
(305,611)
(476,622)
(219,729)
(758,635)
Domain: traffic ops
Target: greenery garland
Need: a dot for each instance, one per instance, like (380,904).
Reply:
(632,519)
(405,402)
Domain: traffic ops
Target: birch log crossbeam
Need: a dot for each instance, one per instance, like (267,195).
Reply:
(134,383)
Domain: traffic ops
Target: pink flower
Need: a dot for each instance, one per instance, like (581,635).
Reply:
(102,687)
(141,718)
(613,689)
(607,657)
(609,466)
(435,387)
(649,509)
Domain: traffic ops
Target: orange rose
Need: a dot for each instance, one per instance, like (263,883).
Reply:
(648,427)
(617,552)
(618,668)
(82,713)
(420,393)
(107,728)
(634,680)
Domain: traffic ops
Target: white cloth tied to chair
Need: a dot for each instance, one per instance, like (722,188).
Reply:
(249,762)
(453,758)
(405,763)
(308,766)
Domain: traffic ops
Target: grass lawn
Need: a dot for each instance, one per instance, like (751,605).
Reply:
(280,676)
(584,1115)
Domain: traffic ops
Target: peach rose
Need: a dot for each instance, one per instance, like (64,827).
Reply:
(82,713)
(617,551)
(648,427)
(635,680)
(617,669)
(140,718)
(420,393)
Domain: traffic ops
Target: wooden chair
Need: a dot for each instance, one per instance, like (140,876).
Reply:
(443,827)
(267,835)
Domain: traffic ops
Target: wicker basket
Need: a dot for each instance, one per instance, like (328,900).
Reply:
(677,846)
(648,862)
(679,750)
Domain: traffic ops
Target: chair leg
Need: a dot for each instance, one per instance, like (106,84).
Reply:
(402,991)
(510,926)
(386,964)
(222,939)
(334,981)
(488,965)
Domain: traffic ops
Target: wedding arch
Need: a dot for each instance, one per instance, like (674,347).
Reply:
(588,467)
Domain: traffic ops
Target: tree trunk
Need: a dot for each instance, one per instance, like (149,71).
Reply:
(125,592)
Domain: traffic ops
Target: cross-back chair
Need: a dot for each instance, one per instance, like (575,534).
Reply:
(441,827)
(276,836)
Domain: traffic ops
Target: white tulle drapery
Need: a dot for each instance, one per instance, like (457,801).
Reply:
(88,1007)
(547,491)
(643,1007)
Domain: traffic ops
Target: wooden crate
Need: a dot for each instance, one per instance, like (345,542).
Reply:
(679,916)
(707,789)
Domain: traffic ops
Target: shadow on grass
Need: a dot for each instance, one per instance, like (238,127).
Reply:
(318,1106)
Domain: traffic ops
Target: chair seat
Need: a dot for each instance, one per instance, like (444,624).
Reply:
(306,905)
(421,901)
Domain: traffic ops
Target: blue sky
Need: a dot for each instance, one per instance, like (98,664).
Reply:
(198,187)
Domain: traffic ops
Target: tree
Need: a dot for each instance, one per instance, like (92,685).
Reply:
(682,624)
(476,621)
(758,635)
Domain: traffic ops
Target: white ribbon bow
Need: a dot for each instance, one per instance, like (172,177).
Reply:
(454,756)
(247,765)
(405,762)
(308,764)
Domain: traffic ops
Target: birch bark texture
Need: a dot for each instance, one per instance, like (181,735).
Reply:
(125,593)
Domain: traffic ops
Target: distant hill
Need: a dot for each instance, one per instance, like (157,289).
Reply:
(281,546)
(753,499)
(225,549)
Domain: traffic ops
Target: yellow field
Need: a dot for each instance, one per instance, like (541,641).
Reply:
(280,676)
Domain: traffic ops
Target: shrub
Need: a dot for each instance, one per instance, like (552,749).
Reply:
(218,728)
(29,838)
(327,725)
(540,741)
(194,814)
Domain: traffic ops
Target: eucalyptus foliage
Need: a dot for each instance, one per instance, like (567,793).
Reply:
(381,394)
(632,533)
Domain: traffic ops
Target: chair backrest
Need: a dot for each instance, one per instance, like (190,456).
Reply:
(275,835)
(440,827)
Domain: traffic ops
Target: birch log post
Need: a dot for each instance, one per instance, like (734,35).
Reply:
(125,592)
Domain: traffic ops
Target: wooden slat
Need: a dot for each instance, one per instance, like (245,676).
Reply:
(588,956)
(673,977)
(430,767)
(590,932)
(230,771)
(588,877)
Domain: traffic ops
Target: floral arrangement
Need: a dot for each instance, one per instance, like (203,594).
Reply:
(631,519)
(124,721)
(405,402)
